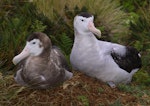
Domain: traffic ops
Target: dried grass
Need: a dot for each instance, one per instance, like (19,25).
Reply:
(108,13)
(78,91)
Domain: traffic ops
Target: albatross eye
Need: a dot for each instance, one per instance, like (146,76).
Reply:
(82,20)
(33,42)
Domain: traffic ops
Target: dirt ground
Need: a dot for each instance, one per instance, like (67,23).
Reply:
(81,90)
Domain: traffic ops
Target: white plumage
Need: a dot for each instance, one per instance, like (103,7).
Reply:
(108,62)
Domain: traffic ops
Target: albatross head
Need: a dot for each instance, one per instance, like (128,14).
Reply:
(83,23)
(35,45)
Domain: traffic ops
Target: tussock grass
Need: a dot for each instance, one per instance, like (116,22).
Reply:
(107,12)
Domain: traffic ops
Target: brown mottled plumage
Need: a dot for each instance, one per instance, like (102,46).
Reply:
(41,65)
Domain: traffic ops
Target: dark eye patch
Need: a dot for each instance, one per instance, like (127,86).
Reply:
(85,14)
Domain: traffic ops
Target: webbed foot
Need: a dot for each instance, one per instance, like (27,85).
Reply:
(111,84)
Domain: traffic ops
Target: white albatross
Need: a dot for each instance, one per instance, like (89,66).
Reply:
(109,62)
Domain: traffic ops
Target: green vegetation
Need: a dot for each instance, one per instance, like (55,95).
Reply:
(138,91)
(18,19)
(116,103)
(84,100)
(139,34)
(108,15)
(123,21)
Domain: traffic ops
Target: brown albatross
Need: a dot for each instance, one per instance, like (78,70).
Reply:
(41,65)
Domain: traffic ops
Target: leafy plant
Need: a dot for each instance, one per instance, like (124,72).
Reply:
(84,100)
(132,5)
(139,91)
(116,103)
(139,22)
(64,42)
(140,35)
(101,90)
(142,77)
(38,26)
(16,25)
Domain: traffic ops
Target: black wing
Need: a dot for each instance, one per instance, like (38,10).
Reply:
(131,60)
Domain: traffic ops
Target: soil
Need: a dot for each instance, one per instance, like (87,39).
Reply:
(81,90)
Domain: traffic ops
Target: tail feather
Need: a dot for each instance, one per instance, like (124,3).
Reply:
(133,71)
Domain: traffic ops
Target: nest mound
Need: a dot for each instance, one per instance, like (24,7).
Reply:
(81,90)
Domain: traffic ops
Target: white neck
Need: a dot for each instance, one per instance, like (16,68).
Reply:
(84,41)
(87,37)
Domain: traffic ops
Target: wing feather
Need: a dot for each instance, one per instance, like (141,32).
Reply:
(129,61)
